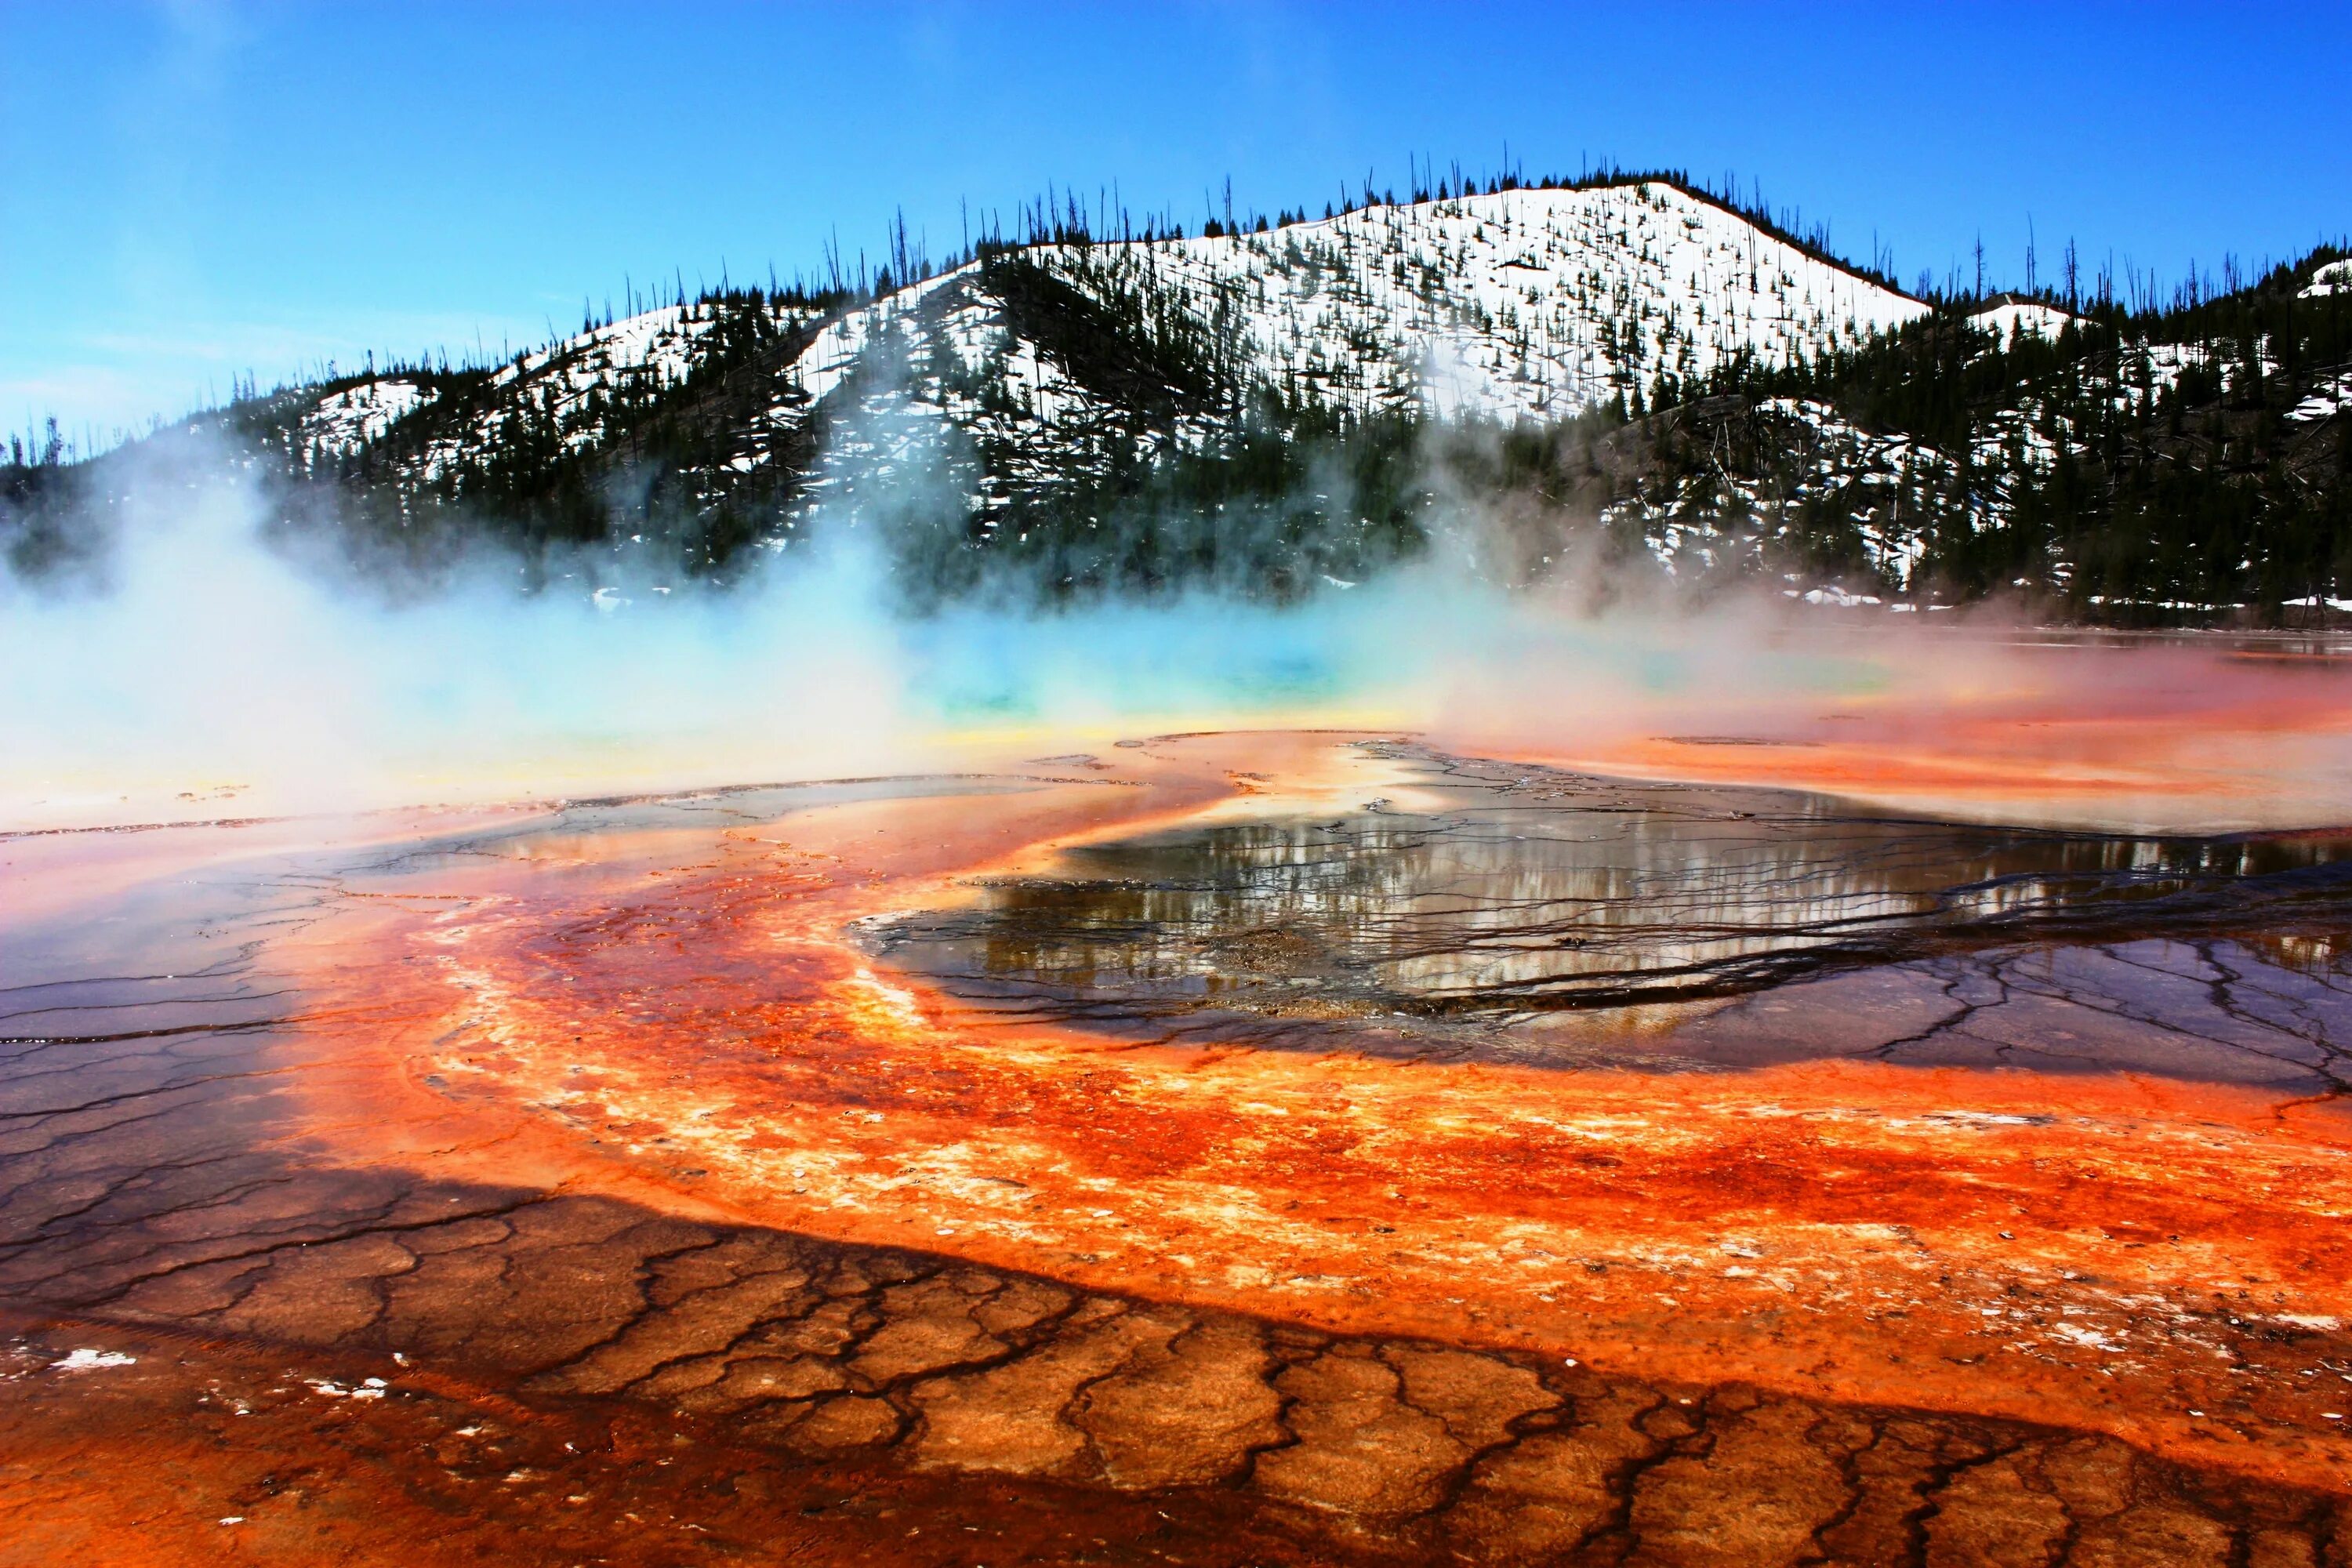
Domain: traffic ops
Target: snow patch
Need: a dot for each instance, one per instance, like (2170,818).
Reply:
(2335,278)
(351,418)
(1524,304)
(2021,318)
(2328,399)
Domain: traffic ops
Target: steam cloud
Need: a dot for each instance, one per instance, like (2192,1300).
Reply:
(223,676)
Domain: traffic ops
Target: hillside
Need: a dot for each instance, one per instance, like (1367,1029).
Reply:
(2176,464)
(1630,369)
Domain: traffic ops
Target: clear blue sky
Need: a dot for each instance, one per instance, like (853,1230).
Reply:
(194,191)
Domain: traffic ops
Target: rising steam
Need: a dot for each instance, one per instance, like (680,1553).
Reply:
(220,676)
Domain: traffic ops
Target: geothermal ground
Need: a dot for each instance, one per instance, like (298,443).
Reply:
(1232,1148)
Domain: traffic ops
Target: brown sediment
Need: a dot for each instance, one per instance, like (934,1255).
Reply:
(724,1395)
(625,1132)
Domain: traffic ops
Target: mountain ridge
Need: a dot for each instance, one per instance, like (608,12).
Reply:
(1109,414)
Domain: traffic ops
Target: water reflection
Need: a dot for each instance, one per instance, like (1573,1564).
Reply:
(1533,890)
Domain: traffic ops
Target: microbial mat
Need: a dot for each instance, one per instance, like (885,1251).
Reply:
(1778,1146)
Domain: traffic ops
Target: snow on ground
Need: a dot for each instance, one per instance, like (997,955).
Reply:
(2011,317)
(837,351)
(2328,399)
(650,352)
(1838,597)
(658,342)
(2335,278)
(2014,439)
(1695,534)
(1527,303)
(2165,362)
(1523,303)
(347,420)
(1532,304)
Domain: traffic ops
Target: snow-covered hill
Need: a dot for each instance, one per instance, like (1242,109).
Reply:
(1526,303)
(1255,408)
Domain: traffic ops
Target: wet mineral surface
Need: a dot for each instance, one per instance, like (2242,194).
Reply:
(1226,1150)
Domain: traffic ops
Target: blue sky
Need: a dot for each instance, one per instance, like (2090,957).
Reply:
(195,191)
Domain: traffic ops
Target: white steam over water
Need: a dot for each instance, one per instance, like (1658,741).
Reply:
(219,678)
(216,676)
